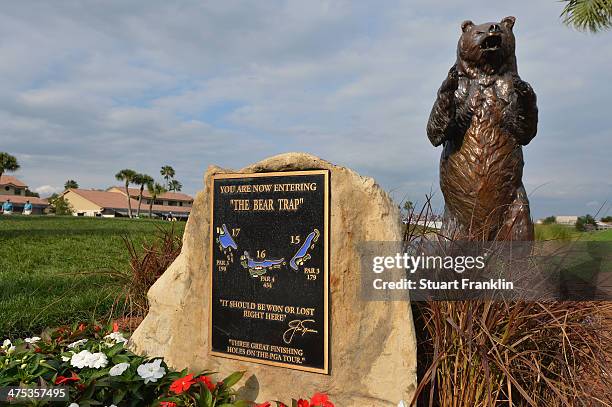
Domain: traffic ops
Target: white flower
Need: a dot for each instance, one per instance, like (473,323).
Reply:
(32,340)
(118,369)
(73,405)
(6,344)
(402,404)
(80,359)
(117,337)
(10,350)
(77,343)
(97,360)
(150,372)
(87,359)
(112,405)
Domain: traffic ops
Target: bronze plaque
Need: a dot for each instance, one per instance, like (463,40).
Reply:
(269,255)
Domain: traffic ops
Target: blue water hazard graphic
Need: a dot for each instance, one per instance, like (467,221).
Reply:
(302,254)
(225,239)
(259,267)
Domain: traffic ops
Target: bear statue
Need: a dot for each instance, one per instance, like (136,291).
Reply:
(483,115)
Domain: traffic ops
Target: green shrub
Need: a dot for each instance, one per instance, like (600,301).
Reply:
(60,206)
(99,370)
(585,223)
(92,362)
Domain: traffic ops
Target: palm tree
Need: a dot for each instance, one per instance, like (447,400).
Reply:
(167,172)
(71,184)
(175,186)
(155,189)
(142,180)
(7,163)
(588,15)
(127,176)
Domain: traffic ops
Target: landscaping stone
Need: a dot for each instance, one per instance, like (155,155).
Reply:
(372,348)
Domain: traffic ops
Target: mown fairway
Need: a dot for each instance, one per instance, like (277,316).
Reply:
(562,232)
(41,264)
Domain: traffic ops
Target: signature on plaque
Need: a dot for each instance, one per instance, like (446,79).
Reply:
(297,326)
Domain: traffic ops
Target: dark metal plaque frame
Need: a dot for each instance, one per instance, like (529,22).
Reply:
(322,366)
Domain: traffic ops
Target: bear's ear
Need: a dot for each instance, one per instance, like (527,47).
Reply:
(508,21)
(466,25)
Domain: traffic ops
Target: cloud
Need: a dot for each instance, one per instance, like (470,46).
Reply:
(89,89)
(46,190)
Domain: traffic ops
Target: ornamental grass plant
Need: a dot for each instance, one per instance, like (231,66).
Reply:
(474,353)
(148,260)
(146,265)
(486,353)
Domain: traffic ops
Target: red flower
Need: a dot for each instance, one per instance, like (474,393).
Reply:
(206,380)
(303,403)
(115,327)
(167,404)
(182,384)
(82,327)
(266,404)
(62,379)
(320,400)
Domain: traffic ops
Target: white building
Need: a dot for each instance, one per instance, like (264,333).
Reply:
(566,219)
(603,225)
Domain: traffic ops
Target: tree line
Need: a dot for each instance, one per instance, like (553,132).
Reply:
(8,163)
(155,189)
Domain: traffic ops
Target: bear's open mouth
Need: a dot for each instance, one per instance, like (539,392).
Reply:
(491,43)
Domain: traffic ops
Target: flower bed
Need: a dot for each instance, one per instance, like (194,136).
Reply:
(99,371)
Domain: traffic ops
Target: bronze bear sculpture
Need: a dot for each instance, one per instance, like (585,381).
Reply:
(483,115)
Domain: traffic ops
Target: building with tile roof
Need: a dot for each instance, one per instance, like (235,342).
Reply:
(113,203)
(15,191)
(168,198)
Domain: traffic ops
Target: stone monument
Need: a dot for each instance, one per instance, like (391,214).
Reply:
(268,281)
(483,115)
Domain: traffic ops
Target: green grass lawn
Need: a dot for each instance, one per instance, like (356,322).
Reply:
(599,236)
(41,263)
(562,232)
(42,260)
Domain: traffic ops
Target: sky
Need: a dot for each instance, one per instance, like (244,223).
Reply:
(89,88)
